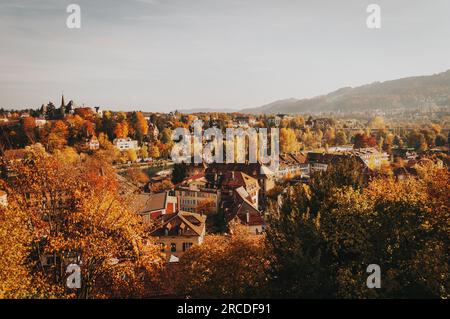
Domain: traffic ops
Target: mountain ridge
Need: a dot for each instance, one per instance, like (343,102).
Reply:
(404,93)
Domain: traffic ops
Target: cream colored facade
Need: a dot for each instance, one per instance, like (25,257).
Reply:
(191,197)
(177,245)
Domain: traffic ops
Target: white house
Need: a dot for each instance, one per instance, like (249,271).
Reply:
(40,122)
(93,143)
(125,144)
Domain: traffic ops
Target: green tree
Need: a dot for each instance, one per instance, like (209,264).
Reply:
(178,173)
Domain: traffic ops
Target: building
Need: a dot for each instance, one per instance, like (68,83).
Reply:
(274,120)
(369,157)
(151,206)
(340,148)
(248,186)
(193,196)
(178,231)
(242,210)
(245,120)
(405,153)
(292,165)
(3,198)
(373,158)
(93,143)
(40,122)
(123,144)
(240,200)
(153,131)
(260,172)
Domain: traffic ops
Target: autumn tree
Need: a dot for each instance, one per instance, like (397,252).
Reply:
(153,151)
(137,176)
(330,137)
(121,129)
(440,140)
(323,250)
(225,266)
(417,140)
(108,152)
(54,135)
(75,215)
(140,125)
(362,140)
(179,173)
(377,123)
(143,152)
(29,128)
(15,278)
(165,185)
(166,136)
(288,141)
(341,138)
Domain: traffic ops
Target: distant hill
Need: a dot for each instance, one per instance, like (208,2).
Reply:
(207,110)
(405,93)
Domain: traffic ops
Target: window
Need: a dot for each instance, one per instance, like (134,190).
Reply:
(173,247)
(186,246)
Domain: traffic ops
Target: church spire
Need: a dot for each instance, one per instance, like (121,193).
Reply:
(63,105)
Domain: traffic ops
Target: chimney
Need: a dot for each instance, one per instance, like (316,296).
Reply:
(248,217)
(232,174)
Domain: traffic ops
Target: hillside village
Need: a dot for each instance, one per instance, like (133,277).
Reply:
(181,205)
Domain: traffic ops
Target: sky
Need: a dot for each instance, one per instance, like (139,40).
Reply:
(162,55)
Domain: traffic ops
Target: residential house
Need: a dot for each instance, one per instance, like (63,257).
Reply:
(178,231)
(242,210)
(233,180)
(93,143)
(151,206)
(259,171)
(194,196)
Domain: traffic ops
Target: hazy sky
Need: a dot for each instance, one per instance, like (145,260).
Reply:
(161,55)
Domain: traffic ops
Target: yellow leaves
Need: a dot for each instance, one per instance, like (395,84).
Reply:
(14,236)
(72,210)
(121,130)
(224,266)
(288,141)
(141,124)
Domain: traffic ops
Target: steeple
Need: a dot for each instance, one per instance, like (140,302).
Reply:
(63,105)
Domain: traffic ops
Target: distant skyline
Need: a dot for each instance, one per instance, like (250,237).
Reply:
(162,55)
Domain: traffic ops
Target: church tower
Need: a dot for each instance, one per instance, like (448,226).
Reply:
(63,105)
